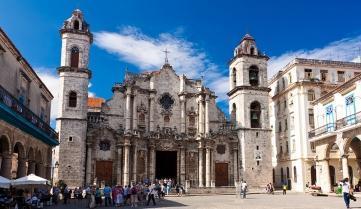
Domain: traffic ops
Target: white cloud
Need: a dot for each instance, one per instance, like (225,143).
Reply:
(343,50)
(146,52)
(51,80)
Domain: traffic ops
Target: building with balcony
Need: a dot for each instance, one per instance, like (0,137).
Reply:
(26,139)
(337,135)
(293,92)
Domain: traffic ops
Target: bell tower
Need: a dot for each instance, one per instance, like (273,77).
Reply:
(248,103)
(73,96)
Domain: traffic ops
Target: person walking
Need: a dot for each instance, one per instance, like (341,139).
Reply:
(284,189)
(346,192)
(107,193)
(151,194)
(244,189)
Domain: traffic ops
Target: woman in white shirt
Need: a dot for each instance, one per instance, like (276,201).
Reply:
(346,192)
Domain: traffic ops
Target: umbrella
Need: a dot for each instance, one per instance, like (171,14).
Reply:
(31,179)
(4,182)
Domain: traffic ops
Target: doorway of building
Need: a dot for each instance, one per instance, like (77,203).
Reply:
(221,171)
(104,172)
(166,164)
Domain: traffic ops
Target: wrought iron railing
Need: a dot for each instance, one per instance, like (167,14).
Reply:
(349,120)
(10,101)
(341,123)
(322,130)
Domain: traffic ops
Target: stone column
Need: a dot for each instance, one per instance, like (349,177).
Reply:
(345,173)
(235,167)
(200,167)
(208,167)
(207,116)
(200,116)
(323,175)
(182,166)
(151,112)
(183,114)
(126,163)
(6,166)
(88,164)
(135,157)
(22,167)
(151,163)
(135,118)
(31,167)
(119,164)
(128,110)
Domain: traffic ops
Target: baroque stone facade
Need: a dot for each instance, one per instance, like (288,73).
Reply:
(156,125)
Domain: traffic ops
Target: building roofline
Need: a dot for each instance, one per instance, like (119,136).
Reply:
(345,85)
(20,58)
(313,62)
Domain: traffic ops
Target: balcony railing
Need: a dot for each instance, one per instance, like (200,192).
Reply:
(341,123)
(14,104)
(321,130)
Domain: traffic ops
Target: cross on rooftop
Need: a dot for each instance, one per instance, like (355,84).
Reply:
(166,55)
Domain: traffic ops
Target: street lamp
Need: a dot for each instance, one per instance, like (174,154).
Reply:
(56,165)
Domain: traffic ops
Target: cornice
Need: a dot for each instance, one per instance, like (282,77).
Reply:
(255,88)
(75,70)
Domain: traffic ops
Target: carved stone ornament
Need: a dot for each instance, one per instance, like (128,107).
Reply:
(166,101)
(221,149)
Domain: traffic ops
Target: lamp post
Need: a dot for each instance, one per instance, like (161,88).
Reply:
(56,165)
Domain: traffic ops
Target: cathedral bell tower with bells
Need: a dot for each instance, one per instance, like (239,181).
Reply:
(248,103)
(73,95)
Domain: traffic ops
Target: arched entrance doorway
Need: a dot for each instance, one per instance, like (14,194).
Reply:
(20,161)
(332,176)
(313,175)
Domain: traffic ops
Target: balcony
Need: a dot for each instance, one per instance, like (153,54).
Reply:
(347,121)
(15,113)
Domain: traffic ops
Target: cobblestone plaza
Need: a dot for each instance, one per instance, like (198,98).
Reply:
(253,201)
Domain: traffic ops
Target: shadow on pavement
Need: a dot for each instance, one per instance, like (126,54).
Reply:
(73,204)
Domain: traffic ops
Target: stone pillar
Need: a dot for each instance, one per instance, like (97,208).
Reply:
(323,175)
(235,167)
(135,117)
(31,167)
(119,164)
(182,166)
(345,173)
(207,116)
(126,163)
(128,110)
(88,164)
(6,166)
(22,167)
(151,163)
(135,157)
(200,167)
(183,114)
(208,167)
(200,116)
(151,112)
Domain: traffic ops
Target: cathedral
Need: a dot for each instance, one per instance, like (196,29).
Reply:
(158,124)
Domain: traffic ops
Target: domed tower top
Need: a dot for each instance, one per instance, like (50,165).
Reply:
(247,47)
(76,24)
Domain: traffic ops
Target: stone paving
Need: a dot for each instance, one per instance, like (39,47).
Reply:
(253,201)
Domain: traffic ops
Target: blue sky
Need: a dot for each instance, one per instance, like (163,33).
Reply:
(201,35)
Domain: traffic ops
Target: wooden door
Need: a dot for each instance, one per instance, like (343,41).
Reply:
(104,171)
(221,174)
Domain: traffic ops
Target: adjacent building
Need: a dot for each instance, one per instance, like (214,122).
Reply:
(26,139)
(294,90)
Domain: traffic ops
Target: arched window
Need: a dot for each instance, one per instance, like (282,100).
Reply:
(74,57)
(76,25)
(72,99)
(287,173)
(234,113)
(255,115)
(282,176)
(234,76)
(253,76)
(252,51)
(294,174)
